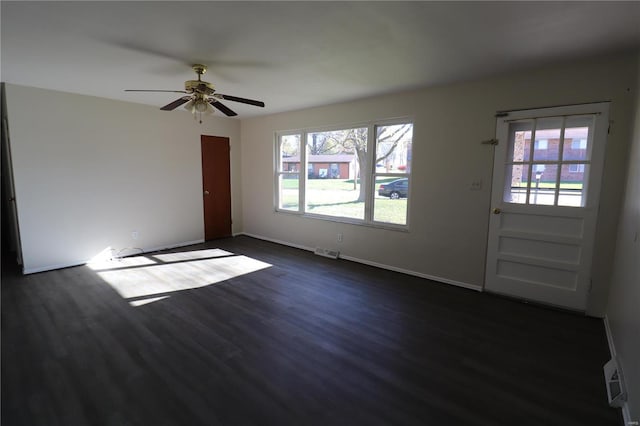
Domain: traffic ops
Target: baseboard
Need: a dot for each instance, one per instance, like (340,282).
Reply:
(170,246)
(273,240)
(375,264)
(626,414)
(414,273)
(27,271)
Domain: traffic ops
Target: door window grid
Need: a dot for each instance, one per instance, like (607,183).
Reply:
(530,165)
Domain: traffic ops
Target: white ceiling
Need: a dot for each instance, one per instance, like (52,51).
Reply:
(293,55)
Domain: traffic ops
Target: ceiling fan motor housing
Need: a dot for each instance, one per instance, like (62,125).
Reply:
(199,86)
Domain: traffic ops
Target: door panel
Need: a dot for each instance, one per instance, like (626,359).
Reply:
(545,190)
(539,249)
(216,187)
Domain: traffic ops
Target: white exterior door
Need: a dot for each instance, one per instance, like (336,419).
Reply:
(546,183)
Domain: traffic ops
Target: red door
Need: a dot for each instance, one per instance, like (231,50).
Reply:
(216,187)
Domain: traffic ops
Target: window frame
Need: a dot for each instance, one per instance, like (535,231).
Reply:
(280,172)
(369,185)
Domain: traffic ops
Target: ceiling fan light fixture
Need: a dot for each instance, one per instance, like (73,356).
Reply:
(201,106)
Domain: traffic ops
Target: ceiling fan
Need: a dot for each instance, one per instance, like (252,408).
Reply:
(202,97)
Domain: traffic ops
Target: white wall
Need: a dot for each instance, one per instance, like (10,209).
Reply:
(624,298)
(89,171)
(448,232)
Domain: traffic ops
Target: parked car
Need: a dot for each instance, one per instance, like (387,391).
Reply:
(395,189)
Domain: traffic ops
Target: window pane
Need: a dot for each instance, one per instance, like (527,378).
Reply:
(334,186)
(519,143)
(393,148)
(288,187)
(289,153)
(547,139)
(572,185)
(543,184)
(516,177)
(575,147)
(390,200)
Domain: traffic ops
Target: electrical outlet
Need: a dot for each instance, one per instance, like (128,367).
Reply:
(340,237)
(134,235)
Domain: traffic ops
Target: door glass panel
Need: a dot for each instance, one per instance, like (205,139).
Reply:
(546,146)
(576,145)
(572,185)
(578,138)
(516,178)
(543,184)
(537,150)
(520,141)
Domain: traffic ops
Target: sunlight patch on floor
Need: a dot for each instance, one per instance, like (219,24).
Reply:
(138,281)
(98,264)
(191,255)
(141,302)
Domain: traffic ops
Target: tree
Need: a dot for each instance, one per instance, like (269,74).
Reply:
(324,143)
(354,141)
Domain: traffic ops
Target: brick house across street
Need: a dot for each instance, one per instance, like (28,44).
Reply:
(332,166)
(547,158)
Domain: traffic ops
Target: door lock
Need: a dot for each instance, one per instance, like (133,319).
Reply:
(206,192)
(496,210)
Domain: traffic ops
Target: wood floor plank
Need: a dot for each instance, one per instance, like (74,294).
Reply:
(304,341)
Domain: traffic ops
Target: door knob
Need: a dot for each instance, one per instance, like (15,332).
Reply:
(206,192)
(497,211)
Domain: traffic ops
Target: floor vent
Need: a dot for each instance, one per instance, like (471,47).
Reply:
(332,254)
(615,385)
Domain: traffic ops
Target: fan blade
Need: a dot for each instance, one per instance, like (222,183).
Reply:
(242,100)
(169,91)
(175,104)
(223,108)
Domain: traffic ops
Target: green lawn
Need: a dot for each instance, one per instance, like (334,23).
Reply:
(337,197)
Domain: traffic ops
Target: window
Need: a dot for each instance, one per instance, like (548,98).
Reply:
(391,189)
(339,196)
(287,173)
(576,168)
(350,176)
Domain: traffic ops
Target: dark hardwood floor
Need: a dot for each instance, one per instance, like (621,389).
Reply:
(305,341)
